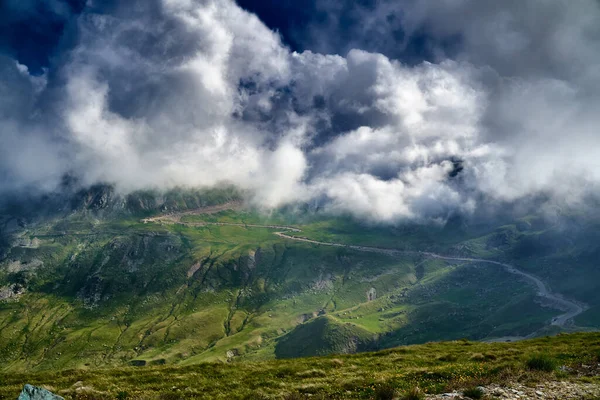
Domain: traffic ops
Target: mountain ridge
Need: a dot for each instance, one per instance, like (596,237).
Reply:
(108,287)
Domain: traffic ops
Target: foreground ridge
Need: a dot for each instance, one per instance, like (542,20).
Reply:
(561,367)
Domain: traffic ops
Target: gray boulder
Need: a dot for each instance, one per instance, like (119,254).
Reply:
(36,393)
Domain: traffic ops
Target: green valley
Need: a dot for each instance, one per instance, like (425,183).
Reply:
(116,282)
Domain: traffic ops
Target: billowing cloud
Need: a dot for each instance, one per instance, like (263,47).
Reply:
(184,92)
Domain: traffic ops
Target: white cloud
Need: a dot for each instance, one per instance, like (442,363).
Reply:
(182,92)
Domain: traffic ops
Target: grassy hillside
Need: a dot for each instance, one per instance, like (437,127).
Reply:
(324,335)
(97,287)
(433,367)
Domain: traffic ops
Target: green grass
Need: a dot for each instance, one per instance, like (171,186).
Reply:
(541,362)
(113,290)
(152,306)
(474,393)
(359,376)
(324,335)
(385,391)
(413,394)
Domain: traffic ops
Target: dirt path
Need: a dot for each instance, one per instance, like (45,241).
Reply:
(571,308)
(555,300)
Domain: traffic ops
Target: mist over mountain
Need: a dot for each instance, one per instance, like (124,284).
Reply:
(386,110)
(196,191)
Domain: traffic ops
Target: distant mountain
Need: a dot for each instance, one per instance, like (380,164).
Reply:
(95,278)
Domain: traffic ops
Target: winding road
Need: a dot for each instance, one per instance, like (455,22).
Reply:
(555,300)
(571,308)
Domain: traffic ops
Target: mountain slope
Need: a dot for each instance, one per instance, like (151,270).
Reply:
(324,335)
(434,368)
(105,284)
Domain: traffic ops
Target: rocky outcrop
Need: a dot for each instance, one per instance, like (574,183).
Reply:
(11,292)
(548,390)
(36,393)
(371,294)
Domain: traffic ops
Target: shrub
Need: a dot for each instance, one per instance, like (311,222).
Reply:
(477,357)
(353,383)
(448,358)
(285,372)
(311,373)
(541,362)
(294,396)
(474,393)
(91,396)
(336,362)
(413,394)
(138,363)
(385,392)
(256,396)
(122,395)
(483,357)
(170,396)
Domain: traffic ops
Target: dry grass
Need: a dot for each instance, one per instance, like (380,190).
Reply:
(360,376)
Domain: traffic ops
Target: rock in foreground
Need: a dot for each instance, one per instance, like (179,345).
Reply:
(36,393)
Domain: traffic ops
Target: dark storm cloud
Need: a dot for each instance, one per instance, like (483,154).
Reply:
(187,92)
(336,27)
(31,30)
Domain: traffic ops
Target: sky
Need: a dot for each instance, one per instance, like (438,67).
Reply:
(386,109)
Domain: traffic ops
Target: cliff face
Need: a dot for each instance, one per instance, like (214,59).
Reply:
(105,201)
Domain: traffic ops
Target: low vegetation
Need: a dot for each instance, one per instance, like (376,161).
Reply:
(393,373)
(541,362)
(413,394)
(188,277)
(474,393)
(385,391)
(103,290)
